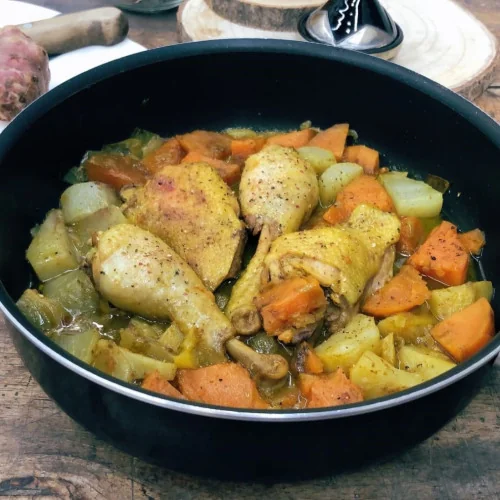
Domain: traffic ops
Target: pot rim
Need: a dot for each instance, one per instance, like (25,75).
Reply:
(56,96)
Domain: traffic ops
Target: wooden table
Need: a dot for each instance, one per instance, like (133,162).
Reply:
(44,454)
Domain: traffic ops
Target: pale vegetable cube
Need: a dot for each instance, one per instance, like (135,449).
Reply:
(319,159)
(125,365)
(346,346)
(172,338)
(335,178)
(424,362)
(51,252)
(409,326)
(145,328)
(412,197)
(132,340)
(376,377)
(483,289)
(446,301)
(388,349)
(40,311)
(80,345)
(101,220)
(74,291)
(84,199)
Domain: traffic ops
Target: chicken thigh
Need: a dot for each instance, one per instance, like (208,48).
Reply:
(278,192)
(194,211)
(343,258)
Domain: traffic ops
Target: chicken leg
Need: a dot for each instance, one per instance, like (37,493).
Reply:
(278,192)
(138,272)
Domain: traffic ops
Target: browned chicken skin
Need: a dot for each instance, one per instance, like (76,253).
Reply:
(196,213)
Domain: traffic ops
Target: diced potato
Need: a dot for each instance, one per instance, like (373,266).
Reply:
(319,159)
(425,362)
(51,252)
(407,325)
(147,328)
(335,178)
(101,220)
(483,289)
(346,346)
(125,365)
(172,338)
(388,349)
(135,342)
(376,377)
(80,345)
(40,311)
(84,199)
(446,301)
(412,197)
(74,291)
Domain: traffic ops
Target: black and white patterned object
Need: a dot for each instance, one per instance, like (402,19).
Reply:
(353,24)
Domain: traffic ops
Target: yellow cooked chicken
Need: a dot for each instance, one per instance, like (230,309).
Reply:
(342,258)
(278,189)
(278,192)
(138,272)
(194,211)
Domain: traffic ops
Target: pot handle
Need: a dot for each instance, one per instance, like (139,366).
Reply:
(60,34)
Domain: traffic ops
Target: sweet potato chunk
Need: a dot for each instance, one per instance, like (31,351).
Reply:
(226,384)
(334,389)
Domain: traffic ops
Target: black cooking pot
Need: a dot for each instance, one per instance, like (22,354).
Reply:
(416,123)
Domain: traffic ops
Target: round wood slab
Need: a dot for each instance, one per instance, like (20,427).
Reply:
(442,41)
(276,15)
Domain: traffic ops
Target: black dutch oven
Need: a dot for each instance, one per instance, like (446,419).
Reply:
(264,84)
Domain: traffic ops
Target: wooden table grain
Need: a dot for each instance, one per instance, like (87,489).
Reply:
(44,454)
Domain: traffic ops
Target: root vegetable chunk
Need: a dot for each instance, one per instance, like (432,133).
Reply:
(442,256)
(334,389)
(226,384)
(467,331)
(24,71)
(404,292)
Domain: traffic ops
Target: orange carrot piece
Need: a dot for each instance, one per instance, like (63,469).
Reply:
(313,363)
(364,189)
(211,144)
(402,293)
(411,235)
(333,389)
(156,383)
(226,384)
(465,332)
(367,157)
(473,241)
(114,169)
(442,256)
(230,172)
(296,139)
(169,153)
(333,139)
(281,304)
(246,147)
(335,215)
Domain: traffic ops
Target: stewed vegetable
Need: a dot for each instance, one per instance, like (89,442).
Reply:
(356,288)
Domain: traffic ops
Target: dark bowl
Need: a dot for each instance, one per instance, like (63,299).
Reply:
(416,123)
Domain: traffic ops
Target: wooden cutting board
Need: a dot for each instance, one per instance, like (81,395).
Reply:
(443,41)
